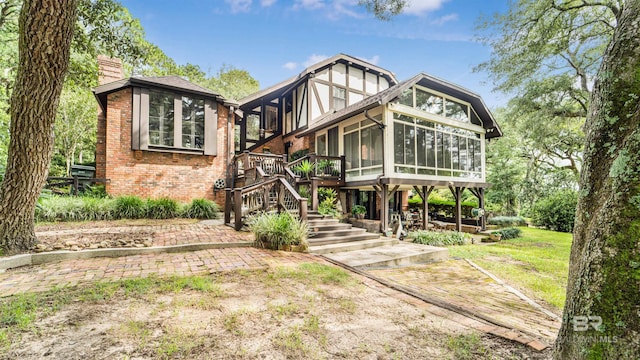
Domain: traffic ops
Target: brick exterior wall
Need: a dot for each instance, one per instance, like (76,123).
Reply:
(182,177)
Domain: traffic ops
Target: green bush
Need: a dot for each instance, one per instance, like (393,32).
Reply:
(98,208)
(201,209)
(64,208)
(443,207)
(162,208)
(129,207)
(557,211)
(276,230)
(504,221)
(509,233)
(436,238)
(327,206)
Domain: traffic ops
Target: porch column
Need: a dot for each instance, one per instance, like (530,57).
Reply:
(458,210)
(483,218)
(424,194)
(384,207)
(314,193)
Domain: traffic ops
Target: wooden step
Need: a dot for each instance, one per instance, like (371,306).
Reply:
(342,239)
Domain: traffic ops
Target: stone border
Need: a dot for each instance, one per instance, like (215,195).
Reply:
(53,256)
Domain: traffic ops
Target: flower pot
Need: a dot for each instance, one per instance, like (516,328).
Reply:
(360,216)
(495,237)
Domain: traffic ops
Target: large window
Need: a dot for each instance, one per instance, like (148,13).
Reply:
(192,122)
(426,148)
(363,148)
(424,100)
(168,121)
(161,114)
(339,98)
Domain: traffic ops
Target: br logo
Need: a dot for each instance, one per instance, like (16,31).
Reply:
(582,323)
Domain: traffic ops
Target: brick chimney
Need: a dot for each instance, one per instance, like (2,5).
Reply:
(109,70)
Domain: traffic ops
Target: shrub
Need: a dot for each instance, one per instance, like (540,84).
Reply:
(504,221)
(327,206)
(444,207)
(557,211)
(436,238)
(358,209)
(98,208)
(509,233)
(162,208)
(326,193)
(201,209)
(129,207)
(60,208)
(275,230)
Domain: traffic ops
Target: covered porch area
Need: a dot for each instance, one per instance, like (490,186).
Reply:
(383,199)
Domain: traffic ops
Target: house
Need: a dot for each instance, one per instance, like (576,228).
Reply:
(385,137)
(161,136)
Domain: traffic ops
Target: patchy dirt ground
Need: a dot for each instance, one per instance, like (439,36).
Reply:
(309,311)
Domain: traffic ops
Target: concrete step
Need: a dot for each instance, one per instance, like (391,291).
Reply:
(313,241)
(329,227)
(352,245)
(337,233)
(314,216)
(316,223)
(401,254)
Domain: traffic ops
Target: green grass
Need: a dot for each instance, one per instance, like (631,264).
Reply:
(537,262)
(468,347)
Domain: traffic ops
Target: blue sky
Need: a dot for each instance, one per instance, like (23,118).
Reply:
(275,39)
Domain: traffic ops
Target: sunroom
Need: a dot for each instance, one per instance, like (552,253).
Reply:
(421,134)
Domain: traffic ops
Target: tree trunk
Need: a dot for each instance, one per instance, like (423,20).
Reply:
(602,312)
(46,29)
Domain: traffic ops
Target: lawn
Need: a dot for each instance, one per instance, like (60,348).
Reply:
(536,263)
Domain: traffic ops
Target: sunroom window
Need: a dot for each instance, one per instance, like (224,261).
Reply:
(192,122)
(363,148)
(161,111)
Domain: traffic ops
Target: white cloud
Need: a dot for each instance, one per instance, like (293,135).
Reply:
(290,65)
(374,60)
(239,5)
(314,59)
(267,3)
(309,4)
(444,19)
(419,7)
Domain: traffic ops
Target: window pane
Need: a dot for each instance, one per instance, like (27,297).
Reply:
(271,120)
(332,142)
(455,161)
(430,147)
(440,149)
(421,154)
(462,153)
(428,102)
(339,98)
(376,146)
(407,97)
(477,156)
(365,145)
(398,141)
(161,112)
(321,144)
(446,151)
(409,145)
(352,155)
(192,122)
(456,111)
(404,118)
(253,126)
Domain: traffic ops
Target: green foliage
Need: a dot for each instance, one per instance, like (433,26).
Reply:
(503,221)
(201,209)
(304,168)
(233,83)
(70,208)
(162,208)
(303,190)
(277,230)
(327,206)
(557,211)
(468,347)
(443,207)
(129,207)
(358,209)
(509,233)
(298,154)
(436,238)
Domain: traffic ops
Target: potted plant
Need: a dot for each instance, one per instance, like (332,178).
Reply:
(358,211)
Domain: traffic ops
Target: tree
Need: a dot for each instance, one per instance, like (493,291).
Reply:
(604,272)
(233,83)
(75,128)
(45,33)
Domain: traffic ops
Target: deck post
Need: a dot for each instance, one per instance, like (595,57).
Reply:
(483,218)
(384,208)
(314,193)
(227,206)
(237,202)
(458,209)
(424,194)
